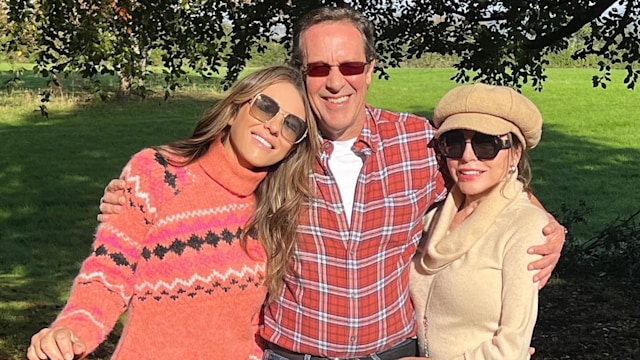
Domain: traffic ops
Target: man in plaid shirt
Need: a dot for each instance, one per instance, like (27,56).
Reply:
(374,180)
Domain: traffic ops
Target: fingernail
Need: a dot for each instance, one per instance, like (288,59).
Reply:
(68,356)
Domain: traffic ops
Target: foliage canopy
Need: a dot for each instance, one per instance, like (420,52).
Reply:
(502,42)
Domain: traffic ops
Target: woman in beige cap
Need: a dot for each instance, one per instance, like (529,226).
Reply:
(470,285)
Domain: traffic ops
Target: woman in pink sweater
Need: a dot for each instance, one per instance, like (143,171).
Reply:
(181,258)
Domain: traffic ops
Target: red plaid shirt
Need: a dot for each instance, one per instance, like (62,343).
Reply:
(351,296)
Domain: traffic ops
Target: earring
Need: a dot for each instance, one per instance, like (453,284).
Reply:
(512,169)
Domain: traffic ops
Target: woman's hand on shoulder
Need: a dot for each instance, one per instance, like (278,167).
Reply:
(58,343)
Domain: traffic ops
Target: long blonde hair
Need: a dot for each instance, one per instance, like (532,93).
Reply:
(285,189)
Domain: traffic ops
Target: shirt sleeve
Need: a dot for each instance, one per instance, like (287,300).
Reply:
(104,285)
(519,293)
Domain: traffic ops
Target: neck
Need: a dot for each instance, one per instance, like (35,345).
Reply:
(463,213)
(339,135)
(471,201)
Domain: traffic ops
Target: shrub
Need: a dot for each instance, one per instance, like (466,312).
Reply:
(612,251)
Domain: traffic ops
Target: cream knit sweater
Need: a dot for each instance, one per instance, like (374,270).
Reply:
(473,295)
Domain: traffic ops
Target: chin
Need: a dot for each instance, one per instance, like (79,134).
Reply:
(258,165)
(471,190)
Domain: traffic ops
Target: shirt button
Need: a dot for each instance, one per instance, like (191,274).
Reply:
(352,295)
(339,211)
(352,252)
(353,339)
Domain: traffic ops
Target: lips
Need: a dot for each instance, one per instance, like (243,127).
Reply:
(469,175)
(470,172)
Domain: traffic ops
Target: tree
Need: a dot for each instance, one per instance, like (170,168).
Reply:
(505,41)
(502,42)
(16,38)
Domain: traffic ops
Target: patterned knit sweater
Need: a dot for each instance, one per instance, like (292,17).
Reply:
(172,260)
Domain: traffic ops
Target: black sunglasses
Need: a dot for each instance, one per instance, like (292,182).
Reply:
(452,144)
(319,69)
(264,108)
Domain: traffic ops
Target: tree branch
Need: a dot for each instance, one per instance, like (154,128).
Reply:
(464,15)
(572,26)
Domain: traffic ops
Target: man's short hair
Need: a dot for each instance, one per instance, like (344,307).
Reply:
(333,14)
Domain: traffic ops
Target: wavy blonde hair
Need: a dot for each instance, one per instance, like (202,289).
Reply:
(286,187)
(524,165)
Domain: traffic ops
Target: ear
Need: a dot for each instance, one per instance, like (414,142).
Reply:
(369,72)
(517,154)
(235,114)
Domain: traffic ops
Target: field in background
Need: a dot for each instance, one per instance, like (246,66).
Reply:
(53,170)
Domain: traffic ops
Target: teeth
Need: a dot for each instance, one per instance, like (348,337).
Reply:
(263,141)
(470,172)
(339,100)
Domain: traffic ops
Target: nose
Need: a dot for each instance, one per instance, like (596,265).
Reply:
(274,125)
(468,154)
(335,80)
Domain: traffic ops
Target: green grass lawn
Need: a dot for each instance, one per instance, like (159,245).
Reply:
(53,171)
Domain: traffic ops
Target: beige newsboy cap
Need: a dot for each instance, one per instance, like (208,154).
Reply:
(493,110)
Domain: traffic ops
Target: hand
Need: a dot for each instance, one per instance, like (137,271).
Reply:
(112,200)
(550,251)
(55,344)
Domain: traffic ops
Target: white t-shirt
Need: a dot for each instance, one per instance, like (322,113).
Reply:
(345,166)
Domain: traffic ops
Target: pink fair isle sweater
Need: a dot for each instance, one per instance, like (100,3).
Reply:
(172,260)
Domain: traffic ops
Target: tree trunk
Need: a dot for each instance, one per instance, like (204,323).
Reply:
(125,83)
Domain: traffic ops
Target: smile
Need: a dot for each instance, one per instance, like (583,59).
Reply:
(262,140)
(339,100)
(470,172)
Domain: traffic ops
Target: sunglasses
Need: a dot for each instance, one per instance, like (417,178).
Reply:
(453,143)
(319,69)
(264,108)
